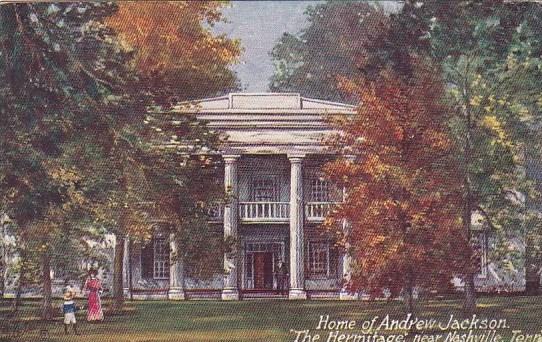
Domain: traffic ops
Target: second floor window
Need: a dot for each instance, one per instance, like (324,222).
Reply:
(264,189)
(319,190)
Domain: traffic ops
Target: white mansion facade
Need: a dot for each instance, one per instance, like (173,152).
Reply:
(272,169)
(272,162)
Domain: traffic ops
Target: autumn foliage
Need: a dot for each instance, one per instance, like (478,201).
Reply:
(402,203)
(176,52)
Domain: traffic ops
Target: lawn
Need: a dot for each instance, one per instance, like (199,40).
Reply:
(255,320)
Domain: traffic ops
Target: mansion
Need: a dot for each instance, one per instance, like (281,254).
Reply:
(272,161)
(272,168)
(279,197)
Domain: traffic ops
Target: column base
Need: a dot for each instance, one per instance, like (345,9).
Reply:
(176,293)
(345,295)
(295,294)
(126,292)
(230,294)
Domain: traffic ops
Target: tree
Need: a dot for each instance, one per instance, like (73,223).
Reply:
(74,100)
(61,73)
(488,53)
(402,203)
(177,57)
(492,66)
(185,176)
(343,39)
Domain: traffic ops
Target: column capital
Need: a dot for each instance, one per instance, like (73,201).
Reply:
(230,158)
(296,157)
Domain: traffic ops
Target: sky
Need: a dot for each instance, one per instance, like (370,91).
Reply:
(259,25)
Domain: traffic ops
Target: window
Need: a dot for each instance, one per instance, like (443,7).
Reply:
(161,258)
(155,258)
(318,258)
(264,189)
(480,247)
(58,271)
(319,190)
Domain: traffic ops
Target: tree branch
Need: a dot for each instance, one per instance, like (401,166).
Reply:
(487,217)
(95,78)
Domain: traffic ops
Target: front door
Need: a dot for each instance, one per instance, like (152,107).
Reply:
(263,270)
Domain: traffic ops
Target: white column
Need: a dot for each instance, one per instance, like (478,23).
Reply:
(231,210)
(346,267)
(176,271)
(346,257)
(297,261)
(126,268)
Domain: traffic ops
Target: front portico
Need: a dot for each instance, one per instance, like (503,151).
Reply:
(265,200)
(276,199)
(272,173)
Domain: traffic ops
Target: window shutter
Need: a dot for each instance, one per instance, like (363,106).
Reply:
(333,260)
(306,262)
(147,259)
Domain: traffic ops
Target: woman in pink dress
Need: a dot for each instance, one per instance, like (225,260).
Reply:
(94,288)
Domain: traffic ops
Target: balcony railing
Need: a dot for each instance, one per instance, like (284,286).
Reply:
(272,211)
(264,211)
(317,211)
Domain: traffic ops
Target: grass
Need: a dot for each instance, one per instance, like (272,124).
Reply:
(256,320)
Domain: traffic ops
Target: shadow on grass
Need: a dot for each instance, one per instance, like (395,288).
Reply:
(256,320)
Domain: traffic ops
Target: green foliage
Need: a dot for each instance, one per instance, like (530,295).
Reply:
(338,42)
(494,71)
(63,77)
(80,155)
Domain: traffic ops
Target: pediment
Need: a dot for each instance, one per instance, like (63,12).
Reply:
(270,102)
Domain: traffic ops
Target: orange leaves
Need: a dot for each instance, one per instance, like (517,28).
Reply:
(402,191)
(167,34)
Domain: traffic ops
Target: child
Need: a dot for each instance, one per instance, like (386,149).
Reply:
(69,308)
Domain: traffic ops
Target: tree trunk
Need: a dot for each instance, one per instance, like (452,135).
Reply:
(17,298)
(118,263)
(3,262)
(3,257)
(18,290)
(469,303)
(410,283)
(2,277)
(130,285)
(47,304)
(532,268)
(410,300)
(533,230)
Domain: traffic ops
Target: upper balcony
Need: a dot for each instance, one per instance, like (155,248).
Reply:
(264,212)
(274,212)
(263,185)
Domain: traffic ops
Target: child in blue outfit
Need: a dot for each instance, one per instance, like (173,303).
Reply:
(69,309)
